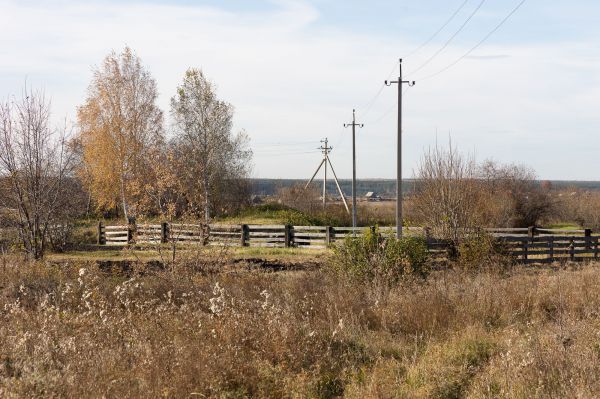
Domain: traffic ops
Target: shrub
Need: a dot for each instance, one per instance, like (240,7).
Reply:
(371,256)
(480,249)
(60,236)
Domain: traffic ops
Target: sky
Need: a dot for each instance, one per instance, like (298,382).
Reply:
(295,69)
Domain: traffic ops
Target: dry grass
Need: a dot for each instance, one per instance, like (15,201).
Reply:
(74,331)
(160,252)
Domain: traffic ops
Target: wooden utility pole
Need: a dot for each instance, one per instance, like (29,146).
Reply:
(326,149)
(354,125)
(400,84)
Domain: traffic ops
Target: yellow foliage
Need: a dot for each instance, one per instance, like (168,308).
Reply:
(120,128)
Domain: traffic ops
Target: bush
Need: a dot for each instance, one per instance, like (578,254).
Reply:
(371,257)
(60,236)
(480,249)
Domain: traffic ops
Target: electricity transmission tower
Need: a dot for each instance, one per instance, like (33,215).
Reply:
(354,125)
(400,83)
(326,149)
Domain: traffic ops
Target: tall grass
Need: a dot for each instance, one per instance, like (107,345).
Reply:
(74,331)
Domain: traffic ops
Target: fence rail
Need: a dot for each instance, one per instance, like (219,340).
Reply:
(528,245)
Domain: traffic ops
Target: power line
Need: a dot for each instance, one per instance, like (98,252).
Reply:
(281,151)
(506,18)
(341,137)
(369,105)
(275,151)
(387,111)
(285,154)
(282,143)
(371,102)
(450,39)
(426,42)
(278,150)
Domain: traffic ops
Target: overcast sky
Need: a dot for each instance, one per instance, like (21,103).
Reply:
(294,69)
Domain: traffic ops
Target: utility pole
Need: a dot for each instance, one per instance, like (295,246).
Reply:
(400,84)
(354,125)
(326,149)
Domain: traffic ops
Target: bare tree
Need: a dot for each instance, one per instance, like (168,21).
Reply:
(305,200)
(455,195)
(515,190)
(212,164)
(35,162)
(448,193)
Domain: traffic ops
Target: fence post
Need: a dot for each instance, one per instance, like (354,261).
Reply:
(595,247)
(204,234)
(427,232)
(131,228)
(164,232)
(572,250)
(531,232)
(551,247)
(244,235)
(101,235)
(288,236)
(328,235)
(588,238)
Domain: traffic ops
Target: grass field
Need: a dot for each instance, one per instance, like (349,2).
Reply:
(71,330)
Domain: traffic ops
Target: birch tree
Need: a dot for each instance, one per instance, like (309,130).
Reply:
(212,163)
(35,163)
(119,125)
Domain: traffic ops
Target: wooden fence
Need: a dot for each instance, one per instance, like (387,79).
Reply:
(528,245)
(253,235)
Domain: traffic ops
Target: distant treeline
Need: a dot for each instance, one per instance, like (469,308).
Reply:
(385,188)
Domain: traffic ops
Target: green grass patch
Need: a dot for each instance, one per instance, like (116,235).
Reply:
(564,226)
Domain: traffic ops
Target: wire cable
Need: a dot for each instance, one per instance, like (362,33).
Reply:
(369,105)
(486,37)
(447,43)
(341,137)
(388,111)
(426,42)
(283,143)
(286,153)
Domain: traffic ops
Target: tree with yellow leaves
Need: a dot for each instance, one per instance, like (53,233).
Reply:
(120,128)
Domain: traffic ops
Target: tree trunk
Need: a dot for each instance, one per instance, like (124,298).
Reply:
(124,201)
(206,200)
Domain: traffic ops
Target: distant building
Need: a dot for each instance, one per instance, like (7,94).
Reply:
(372,196)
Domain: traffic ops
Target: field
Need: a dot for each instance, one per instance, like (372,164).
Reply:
(72,329)
(384,187)
(381,213)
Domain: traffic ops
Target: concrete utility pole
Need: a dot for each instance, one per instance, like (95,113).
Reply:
(326,149)
(400,84)
(354,124)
